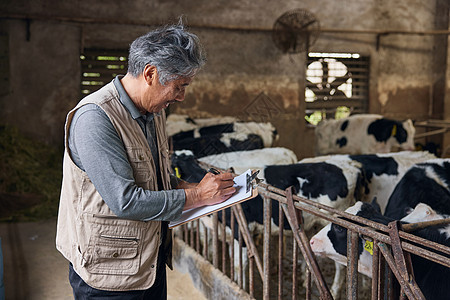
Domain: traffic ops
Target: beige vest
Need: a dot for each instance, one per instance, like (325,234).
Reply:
(107,252)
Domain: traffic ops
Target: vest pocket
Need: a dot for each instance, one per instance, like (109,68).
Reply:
(141,163)
(114,253)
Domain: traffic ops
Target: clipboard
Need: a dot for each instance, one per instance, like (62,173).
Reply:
(242,194)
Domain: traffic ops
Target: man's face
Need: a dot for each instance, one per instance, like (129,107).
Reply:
(159,97)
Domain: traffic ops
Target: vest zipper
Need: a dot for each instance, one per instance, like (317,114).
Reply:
(123,238)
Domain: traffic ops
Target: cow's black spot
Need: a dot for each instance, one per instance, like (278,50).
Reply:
(401,135)
(320,179)
(344,125)
(373,164)
(382,130)
(416,186)
(190,120)
(211,144)
(216,129)
(341,142)
(338,238)
(188,167)
(338,234)
(183,135)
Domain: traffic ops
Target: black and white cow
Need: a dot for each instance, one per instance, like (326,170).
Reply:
(218,143)
(236,130)
(218,135)
(332,180)
(381,172)
(257,159)
(186,166)
(427,182)
(432,278)
(363,134)
(178,123)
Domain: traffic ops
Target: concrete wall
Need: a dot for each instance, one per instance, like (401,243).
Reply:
(408,73)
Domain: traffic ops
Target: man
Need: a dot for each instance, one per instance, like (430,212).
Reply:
(117,193)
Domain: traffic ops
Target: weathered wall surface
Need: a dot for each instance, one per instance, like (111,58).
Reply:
(246,75)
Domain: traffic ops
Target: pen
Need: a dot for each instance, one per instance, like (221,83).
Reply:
(213,171)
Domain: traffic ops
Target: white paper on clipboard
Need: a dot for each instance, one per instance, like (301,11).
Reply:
(240,183)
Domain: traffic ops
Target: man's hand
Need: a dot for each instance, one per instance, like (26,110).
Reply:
(212,189)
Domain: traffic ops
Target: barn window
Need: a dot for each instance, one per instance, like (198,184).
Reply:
(337,85)
(100,66)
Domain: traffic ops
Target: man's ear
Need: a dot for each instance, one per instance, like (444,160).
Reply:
(150,74)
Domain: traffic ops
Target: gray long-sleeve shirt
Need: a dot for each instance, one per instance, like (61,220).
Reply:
(97,149)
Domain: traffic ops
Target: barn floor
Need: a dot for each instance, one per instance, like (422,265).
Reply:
(34,269)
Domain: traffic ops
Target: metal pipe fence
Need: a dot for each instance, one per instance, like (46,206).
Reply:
(272,270)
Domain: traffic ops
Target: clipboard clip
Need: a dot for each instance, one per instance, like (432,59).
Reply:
(252,177)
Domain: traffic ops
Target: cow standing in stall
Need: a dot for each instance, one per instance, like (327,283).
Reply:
(382,172)
(378,174)
(427,182)
(218,135)
(363,134)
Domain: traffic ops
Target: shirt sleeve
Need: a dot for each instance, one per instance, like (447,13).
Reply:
(97,149)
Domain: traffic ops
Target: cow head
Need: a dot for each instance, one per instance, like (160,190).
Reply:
(405,136)
(331,241)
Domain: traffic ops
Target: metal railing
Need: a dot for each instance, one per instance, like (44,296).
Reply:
(391,250)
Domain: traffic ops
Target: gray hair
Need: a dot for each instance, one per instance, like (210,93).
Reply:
(174,52)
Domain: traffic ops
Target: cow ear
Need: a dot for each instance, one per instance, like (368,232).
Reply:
(376,205)
(401,134)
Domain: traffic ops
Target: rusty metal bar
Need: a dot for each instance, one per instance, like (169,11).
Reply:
(300,204)
(185,231)
(294,268)
(205,246)
(416,226)
(390,260)
(197,237)
(375,271)
(391,282)
(382,284)
(352,265)
(233,230)
(191,234)
(224,241)
(315,208)
(242,222)
(251,276)
(215,241)
(399,259)
(240,274)
(308,284)
(303,243)
(280,251)
(266,247)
